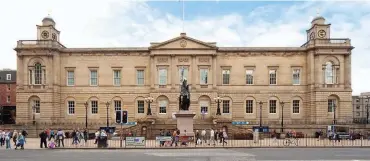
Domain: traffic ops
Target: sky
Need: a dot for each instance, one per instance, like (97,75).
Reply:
(120,23)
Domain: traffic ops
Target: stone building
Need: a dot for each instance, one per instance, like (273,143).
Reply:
(361,108)
(8,85)
(313,81)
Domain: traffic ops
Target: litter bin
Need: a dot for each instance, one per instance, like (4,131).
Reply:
(102,142)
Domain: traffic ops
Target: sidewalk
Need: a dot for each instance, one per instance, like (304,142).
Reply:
(34,143)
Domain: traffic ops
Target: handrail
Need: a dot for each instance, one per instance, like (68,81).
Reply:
(327,42)
(39,43)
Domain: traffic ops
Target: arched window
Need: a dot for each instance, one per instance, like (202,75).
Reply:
(38,73)
(329,73)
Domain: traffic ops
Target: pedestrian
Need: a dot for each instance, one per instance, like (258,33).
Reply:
(161,133)
(221,136)
(211,137)
(97,133)
(51,135)
(43,139)
(2,138)
(203,134)
(20,141)
(25,135)
(15,137)
(8,136)
(224,136)
(86,135)
(197,137)
(81,138)
(60,137)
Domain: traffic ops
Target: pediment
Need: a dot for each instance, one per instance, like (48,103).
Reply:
(183,42)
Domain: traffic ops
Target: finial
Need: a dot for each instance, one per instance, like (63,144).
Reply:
(318,12)
(49,12)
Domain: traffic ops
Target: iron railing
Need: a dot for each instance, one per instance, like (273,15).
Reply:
(327,42)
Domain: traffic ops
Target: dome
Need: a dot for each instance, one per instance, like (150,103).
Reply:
(318,20)
(48,20)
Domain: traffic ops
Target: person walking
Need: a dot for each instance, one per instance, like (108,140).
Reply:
(60,137)
(25,135)
(81,138)
(212,137)
(203,134)
(197,137)
(2,138)
(15,137)
(97,133)
(224,136)
(8,136)
(43,139)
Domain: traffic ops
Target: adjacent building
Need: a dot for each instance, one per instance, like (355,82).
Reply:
(361,108)
(304,85)
(8,85)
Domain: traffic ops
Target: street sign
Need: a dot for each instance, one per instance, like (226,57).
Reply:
(240,123)
(129,123)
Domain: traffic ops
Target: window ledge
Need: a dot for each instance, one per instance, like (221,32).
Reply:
(204,86)
(162,86)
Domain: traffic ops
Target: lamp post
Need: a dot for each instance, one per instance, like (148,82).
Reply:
(86,104)
(260,113)
(107,104)
(334,110)
(282,116)
(218,100)
(33,114)
(149,100)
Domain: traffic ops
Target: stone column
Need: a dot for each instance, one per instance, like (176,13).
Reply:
(347,71)
(152,72)
(194,73)
(173,71)
(21,72)
(214,71)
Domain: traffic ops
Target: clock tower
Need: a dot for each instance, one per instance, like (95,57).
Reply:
(47,30)
(318,30)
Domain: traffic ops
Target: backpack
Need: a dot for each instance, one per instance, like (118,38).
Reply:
(178,132)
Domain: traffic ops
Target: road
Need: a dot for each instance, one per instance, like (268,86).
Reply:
(241,154)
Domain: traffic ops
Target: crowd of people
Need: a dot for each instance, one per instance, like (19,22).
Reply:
(18,138)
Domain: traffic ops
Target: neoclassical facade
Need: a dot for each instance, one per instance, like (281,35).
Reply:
(314,80)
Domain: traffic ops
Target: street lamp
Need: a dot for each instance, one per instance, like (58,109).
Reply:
(149,100)
(33,114)
(107,104)
(334,110)
(86,104)
(282,116)
(260,113)
(218,100)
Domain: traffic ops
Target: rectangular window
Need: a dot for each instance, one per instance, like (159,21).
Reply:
(183,73)
(249,76)
(117,77)
(163,107)
(204,107)
(249,106)
(70,78)
(272,106)
(226,76)
(331,104)
(162,76)
(357,100)
(8,86)
(296,76)
(31,77)
(226,106)
(8,99)
(358,107)
(94,107)
(71,107)
(140,77)
(140,106)
(203,76)
(8,77)
(117,105)
(93,78)
(272,74)
(296,106)
(358,114)
(36,104)
(38,75)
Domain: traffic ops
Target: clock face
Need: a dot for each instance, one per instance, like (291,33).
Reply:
(312,36)
(321,33)
(45,34)
(183,43)
(54,36)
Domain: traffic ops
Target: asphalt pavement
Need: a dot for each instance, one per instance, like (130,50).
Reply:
(240,154)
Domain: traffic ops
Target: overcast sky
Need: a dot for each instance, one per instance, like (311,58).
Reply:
(119,23)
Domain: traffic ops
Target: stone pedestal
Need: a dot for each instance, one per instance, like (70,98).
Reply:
(185,122)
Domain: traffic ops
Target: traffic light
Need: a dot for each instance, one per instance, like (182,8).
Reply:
(118,117)
(124,117)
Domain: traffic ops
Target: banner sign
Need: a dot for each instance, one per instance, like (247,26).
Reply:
(163,138)
(240,123)
(186,138)
(135,141)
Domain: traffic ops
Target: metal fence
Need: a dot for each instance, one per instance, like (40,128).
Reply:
(266,142)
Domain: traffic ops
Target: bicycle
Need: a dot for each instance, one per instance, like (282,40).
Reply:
(289,141)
